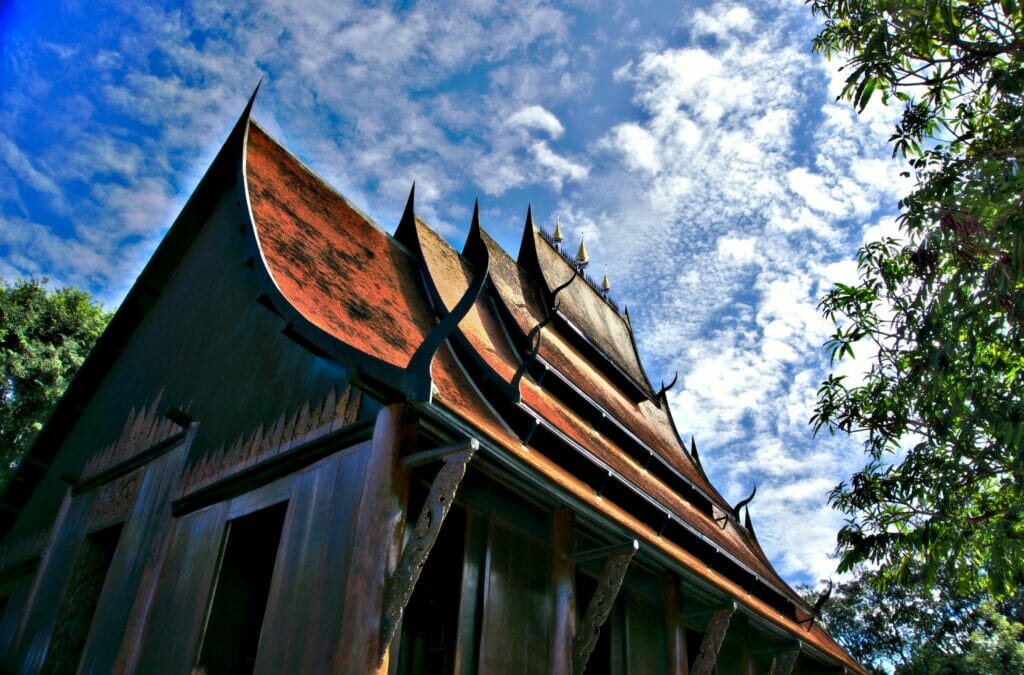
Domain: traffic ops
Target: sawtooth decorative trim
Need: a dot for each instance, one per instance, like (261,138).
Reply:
(143,429)
(312,420)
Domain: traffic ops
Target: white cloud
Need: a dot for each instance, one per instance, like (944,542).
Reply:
(536,117)
(724,20)
(737,249)
(559,168)
(24,170)
(638,146)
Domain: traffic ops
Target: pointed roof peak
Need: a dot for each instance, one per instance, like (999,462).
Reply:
(474,226)
(406,231)
(557,236)
(243,120)
(529,217)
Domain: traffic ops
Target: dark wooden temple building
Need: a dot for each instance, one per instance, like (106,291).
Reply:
(304,445)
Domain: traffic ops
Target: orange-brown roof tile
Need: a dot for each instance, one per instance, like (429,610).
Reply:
(330,262)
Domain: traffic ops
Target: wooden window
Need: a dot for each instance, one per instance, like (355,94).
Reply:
(76,614)
(235,620)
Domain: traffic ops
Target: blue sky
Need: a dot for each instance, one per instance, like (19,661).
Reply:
(697,146)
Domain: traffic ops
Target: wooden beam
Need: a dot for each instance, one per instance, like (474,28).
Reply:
(600,605)
(712,642)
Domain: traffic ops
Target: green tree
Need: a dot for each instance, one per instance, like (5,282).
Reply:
(44,336)
(911,629)
(941,310)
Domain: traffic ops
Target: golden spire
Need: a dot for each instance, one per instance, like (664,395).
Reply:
(606,286)
(557,236)
(582,259)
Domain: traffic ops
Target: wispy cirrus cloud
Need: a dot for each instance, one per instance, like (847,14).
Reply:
(726,205)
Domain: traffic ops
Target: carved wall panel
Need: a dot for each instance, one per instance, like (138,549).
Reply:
(114,500)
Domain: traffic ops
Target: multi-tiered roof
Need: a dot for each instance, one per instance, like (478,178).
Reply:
(537,361)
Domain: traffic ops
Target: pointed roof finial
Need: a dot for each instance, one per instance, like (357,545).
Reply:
(475,225)
(557,236)
(582,259)
(406,230)
(606,286)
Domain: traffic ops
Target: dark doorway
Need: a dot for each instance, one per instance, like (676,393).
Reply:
(601,659)
(431,619)
(233,627)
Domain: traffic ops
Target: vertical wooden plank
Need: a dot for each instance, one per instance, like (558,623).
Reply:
(678,661)
(334,570)
(131,576)
(51,583)
(377,538)
(563,581)
(646,636)
(292,599)
(182,596)
(306,599)
(515,636)
(782,663)
(467,645)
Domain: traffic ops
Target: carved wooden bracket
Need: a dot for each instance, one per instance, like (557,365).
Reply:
(601,602)
(712,642)
(783,663)
(428,525)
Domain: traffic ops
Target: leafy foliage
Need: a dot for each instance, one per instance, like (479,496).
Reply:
(941,310)
(911,629)
(44,336)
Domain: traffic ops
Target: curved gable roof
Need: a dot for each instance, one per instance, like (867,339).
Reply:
(343,274)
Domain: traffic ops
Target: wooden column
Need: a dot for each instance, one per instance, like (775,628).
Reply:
(376,543)
(564,585)
(678,660)
(712,642)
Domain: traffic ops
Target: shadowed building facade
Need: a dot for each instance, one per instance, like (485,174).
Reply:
(306,445)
